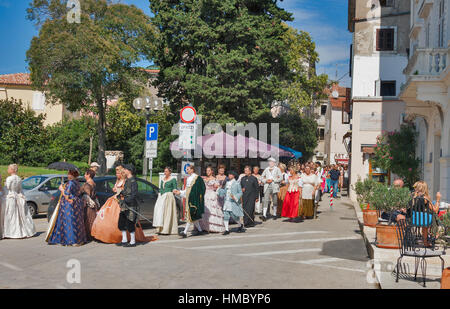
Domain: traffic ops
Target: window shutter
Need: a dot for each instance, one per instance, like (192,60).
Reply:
(38,101)
(378,88)
(378,39)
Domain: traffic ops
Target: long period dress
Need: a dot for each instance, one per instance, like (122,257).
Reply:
(309,182)
(282,193)
(222,183)
(292,199)
(212,220)
(67,222)
(17,219)
(91,206)
(165,217)
(105,224)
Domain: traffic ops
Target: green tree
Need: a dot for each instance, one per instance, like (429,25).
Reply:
(83,64)
(396,151)
(22,134)
(226,57)
(69,140)
(302,84)
(296,131)
(123,122)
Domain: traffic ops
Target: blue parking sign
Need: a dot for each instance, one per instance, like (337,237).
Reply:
(152,132)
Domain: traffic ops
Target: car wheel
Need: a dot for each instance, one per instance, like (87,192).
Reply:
(32,209)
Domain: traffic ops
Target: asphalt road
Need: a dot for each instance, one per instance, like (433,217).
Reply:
(324,253)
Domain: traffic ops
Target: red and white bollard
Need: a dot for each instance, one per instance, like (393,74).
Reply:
(331,197)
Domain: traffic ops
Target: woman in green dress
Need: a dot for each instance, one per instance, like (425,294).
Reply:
(165,218)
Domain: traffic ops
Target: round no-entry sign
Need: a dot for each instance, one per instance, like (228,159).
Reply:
(188,114)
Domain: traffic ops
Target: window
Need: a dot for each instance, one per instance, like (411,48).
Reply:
(38,101)
(32,182)
(323,110)
(321,134)
(441,24)
(385,39)
(387,88)
(53,184)
(387,3)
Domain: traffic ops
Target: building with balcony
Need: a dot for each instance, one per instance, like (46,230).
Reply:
(379,53)
(426,90)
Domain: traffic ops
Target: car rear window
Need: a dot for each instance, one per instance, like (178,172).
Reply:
(32,182)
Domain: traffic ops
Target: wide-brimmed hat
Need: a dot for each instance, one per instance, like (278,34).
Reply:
(271,159)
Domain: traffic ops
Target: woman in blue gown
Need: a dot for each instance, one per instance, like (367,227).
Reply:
(67,222)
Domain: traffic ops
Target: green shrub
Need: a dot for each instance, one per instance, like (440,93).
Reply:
(364,190)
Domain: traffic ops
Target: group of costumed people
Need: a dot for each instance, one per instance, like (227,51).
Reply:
(79,219)
(211,203)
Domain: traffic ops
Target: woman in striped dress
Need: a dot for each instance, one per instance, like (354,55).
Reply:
(212,220)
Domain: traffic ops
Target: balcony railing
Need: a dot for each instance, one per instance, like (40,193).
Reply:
(427,61)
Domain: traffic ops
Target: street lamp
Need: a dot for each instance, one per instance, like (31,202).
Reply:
(148,103)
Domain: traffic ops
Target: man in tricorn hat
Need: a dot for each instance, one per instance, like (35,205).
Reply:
(127,201)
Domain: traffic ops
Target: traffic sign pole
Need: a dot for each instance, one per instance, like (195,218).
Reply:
(151,146)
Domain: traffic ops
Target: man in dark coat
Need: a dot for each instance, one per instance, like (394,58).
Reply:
(250,189)
(127,201)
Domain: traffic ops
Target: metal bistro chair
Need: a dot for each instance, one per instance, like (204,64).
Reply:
(417,237)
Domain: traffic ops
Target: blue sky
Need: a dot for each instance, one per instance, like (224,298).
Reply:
(325,20)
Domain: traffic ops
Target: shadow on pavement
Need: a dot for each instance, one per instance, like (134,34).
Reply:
(348,249)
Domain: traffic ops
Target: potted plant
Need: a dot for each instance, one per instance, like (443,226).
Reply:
(446,223)
(388,200)
(364,191)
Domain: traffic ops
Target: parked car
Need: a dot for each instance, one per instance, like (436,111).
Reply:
(38,191)
(147,196)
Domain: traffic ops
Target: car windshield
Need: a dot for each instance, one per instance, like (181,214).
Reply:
(32,182)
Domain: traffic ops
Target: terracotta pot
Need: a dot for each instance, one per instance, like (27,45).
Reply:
(445,280)
(387,236)
(370,217)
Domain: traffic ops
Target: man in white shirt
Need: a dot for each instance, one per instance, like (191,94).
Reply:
(271,177)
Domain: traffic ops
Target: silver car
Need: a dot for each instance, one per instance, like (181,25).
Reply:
(38,191)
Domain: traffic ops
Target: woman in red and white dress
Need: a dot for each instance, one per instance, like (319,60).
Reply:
(293,195)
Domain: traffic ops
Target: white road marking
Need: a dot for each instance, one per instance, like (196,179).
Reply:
(197,238)
(280,252)
(270,243)
(10,266)
(320,263)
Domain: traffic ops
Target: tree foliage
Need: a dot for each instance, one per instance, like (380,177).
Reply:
(69,140)
(83,64)
(296,131)
(302,83)
(396,151)
(226,57)
(22,134)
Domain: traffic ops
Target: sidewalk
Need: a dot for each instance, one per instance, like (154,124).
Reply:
(384,262)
